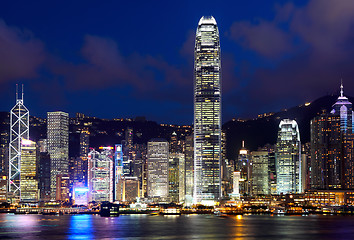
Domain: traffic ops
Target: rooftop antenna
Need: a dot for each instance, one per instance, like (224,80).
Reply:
(243,144)
(341,87)
(22,92)
(16,91)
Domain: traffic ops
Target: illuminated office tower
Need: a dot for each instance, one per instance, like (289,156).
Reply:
(189,166)
(62,188)
(243,165)
(174,143)
(157,168)
(176,177)
(260,173)
(236,185)
(3,189)
(207,112)
(44,175)
(58,146)
(19,129)
(288,158)
(79,171)
(29,164)
(4,145)
(118,172)
(129,189)
(332,147)
(100,175)
(344,110)
(84,143)
(272,171)
(226,179)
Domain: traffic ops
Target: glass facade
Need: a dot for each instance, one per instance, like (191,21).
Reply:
(207,112)
(100,175)
(260,173)
(332,147)
(157,168)
(19,129)
(29,180)
(58,145)
(288,158)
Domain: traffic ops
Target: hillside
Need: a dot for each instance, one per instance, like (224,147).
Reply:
(260,131)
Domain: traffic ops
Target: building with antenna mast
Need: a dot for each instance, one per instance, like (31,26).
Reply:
(19,129)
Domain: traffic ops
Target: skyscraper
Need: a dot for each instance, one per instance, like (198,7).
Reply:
(100,175)
(19,129)
(260,173)
(157,167)
(58,145)
(189,166)
(29,177)
(4,145)
(332,147)
(243,165)
(207,112)
(176,177)
(84,143)
(288,158)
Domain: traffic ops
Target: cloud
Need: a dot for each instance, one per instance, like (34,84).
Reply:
(187,49)
(327,26)
(103,66)
(21,54)
(263,37)
(313,46)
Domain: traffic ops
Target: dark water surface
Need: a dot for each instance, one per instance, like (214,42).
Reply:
(175,227)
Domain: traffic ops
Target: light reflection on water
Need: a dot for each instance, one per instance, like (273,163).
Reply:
(176,227)
(81,227)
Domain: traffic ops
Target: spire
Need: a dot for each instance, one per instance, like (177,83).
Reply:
(16,92)
(243,144)
(22,92)
(341,87)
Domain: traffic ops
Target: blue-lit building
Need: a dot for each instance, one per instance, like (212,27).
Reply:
(118,170)
(332,164)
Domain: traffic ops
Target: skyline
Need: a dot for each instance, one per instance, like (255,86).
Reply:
(94,57)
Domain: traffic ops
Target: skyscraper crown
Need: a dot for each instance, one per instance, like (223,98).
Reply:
(207,20)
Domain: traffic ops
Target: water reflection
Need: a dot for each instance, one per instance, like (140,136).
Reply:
(176,227)
(81,227)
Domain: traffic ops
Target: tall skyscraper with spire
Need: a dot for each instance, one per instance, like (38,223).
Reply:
(207,112)
(332,141)
(19,129)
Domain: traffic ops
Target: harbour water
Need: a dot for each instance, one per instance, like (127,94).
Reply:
(175,227)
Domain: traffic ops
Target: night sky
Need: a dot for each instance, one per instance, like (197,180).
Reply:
(135,58)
